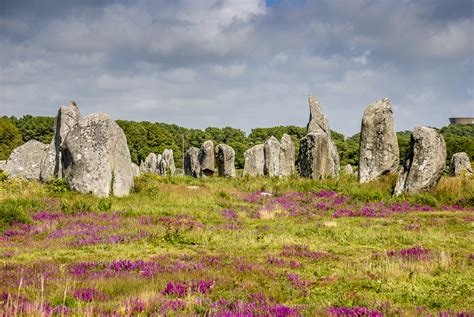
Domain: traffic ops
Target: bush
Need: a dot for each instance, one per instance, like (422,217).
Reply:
(15,210)
(105,205)
(57,186)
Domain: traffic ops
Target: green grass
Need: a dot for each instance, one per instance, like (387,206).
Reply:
(166,220)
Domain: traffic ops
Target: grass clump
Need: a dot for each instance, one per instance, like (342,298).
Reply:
(15,211)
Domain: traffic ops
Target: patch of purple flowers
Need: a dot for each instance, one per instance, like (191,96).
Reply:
(301,251)
(354,312)
(89,295)
(416,253)
(180,289)
(229,214)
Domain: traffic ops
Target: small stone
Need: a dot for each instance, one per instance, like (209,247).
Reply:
(287,156)
(25,160)
(460,165)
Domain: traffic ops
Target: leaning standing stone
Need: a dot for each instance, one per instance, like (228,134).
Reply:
(225,157)
(287,156)
(425,162)
(206,158)
(254,161)
(460,165)
(97,158)
(379,152)
(25,160)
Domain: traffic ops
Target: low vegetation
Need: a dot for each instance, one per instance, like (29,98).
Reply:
(233,247)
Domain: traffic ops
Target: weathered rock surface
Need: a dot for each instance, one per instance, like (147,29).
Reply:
(460,165)
(25,160)
(272,157)
(207,159)
(287,156)
(254,161)
(315,157)
(66,119)
(135,170)
(425,162)
(348,169)
(150,164)
(166,164)
(191,162)
(379,152)
(96,157)
(225,157)
(319,147)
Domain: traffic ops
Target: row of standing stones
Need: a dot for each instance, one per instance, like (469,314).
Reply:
(92,154)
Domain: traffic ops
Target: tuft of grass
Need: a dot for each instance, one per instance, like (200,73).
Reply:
(15,211)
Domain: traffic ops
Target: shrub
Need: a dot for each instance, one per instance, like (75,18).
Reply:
(57,186)
(105,205)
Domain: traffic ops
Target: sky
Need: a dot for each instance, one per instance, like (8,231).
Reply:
(239,63)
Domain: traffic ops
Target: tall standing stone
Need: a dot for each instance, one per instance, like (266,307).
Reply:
(207,159)
(66,119)
(254,161)
(191,162)
(150,164)
(318,157)
(272,157)
(460,165)
(25,160)
(96,157)
(379,152)
(287,156)
(166,164)
(425,162)
(225,157)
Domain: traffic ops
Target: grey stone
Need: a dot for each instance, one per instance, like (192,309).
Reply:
(166,164)
(254,161)
(96,157)
(287,156)
(379,152)
(25,160)
(272,157)
(135,170)
(460,165)
(225,157)
(318,140)
(150,164)
(66,119)
(191,162)
(207,159)
(315,156)
(348,169)
(425,162)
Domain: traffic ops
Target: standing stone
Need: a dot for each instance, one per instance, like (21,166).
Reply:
(25,160)
(206,158)
(191,162)
(225,157)
(379,152)
(150,164)
(135,170)
(425,162)
(287,156)
(348,169)
(66,119)
(315,157)
(319,147)
(166,163)
(460,165)
(272,157)
(254,161)
(96,157)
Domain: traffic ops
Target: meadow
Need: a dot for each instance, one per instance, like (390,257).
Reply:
(180,246)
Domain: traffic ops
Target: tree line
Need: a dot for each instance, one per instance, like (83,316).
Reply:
(146,137)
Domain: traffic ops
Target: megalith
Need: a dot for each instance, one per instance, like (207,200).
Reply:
(191,162)
(272,157)
(25,160)
(287,156)
(225,157)
(207,159)
(460,165)
(254,161)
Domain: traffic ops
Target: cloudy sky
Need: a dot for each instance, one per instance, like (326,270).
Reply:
(239,63)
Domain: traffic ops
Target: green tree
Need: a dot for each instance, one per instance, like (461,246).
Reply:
(35,128)
(10,137)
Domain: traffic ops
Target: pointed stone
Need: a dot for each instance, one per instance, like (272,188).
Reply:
(166,164)
(254,161)
(379,152)
(425,162)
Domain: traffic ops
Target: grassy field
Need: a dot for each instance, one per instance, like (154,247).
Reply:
(238,247)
